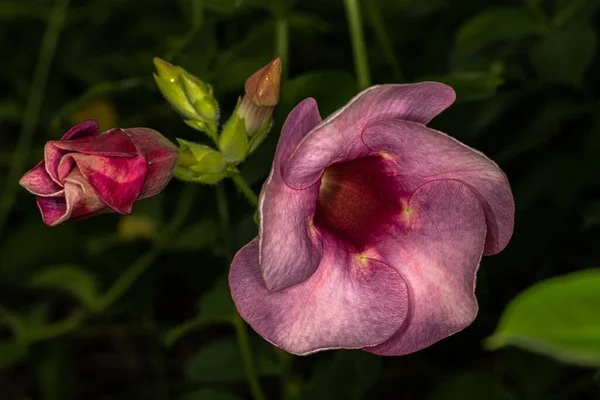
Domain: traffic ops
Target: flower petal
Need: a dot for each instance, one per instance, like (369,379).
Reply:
(437,250)
(347,302)
(421,154)
(287,255)
(78,202)
(161,155)
(86,128)
(38,182)
(117,181)
(114,143)
(53,209)
(337,138)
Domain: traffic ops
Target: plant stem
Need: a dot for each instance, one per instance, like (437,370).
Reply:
(237,322)
(282,30)
(34,104)
(361,64)
(123,283)
(242,337)
(378,24)
(243,187)
(223,211)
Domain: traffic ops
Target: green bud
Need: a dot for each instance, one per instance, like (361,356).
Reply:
(174,95)
(188,95)
(200,163)
(234,140)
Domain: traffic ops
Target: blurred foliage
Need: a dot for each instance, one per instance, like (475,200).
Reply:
(566,322)
(138,307)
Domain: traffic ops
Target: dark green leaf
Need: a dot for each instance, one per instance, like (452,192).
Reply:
(221,362)
(568,10)
(473,85)
(565,54)
(70,279)
(348,375)
(558,317)
(501,23)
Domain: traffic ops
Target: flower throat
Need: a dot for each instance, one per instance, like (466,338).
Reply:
(357,200)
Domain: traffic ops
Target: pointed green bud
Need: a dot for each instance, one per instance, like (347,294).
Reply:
(188,95)
(234,139)
(166,71)
(200,163)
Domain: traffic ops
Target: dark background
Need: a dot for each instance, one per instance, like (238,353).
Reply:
(527,79)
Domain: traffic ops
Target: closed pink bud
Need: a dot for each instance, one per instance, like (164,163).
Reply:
(86,174)
(263,86)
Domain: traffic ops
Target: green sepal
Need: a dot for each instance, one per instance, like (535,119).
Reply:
(260,136)
(234,140)
(210,166)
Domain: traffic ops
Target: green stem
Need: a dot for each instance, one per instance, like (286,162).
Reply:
(123,283)
(361,64)
(238,323)
(223,212)
(246,352)
(282,31)
(245,189)
(378,24)
(35,100)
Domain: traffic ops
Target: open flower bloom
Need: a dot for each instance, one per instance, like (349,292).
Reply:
(372,228)
(86,174)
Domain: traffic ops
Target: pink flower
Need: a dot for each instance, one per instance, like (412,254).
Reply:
(372,228)
(85,174)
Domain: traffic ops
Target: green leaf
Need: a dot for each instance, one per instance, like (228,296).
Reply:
(492,25)
(348,375)
(471,386)
(569,10)
(221,361)
(558,317)
(217,305)
(206,394)
(565,54)
(473,85)
(72,280)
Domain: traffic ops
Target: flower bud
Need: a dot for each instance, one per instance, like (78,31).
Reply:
(252,118)
(86,174)
(200,163)
(263,86)
(188,95)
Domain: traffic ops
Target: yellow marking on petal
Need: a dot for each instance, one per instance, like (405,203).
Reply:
(386,155)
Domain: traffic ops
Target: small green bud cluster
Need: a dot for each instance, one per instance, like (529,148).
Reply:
(241,134)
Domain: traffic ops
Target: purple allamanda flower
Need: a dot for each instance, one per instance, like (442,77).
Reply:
(87,174)
(372,227)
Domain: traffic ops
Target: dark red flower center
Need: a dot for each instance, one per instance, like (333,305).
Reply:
(357,200)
